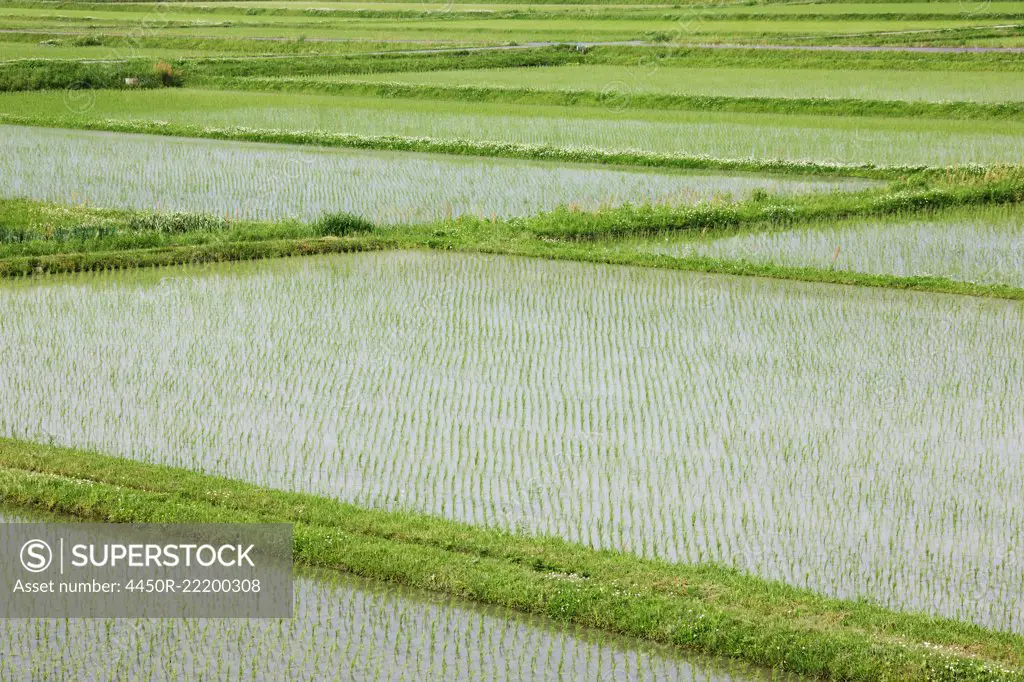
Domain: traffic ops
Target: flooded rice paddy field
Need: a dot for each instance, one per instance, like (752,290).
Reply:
(272,182)
(857,442)
(984,245)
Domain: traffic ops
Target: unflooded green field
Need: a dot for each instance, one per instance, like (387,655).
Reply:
(883,141)
(262,181)
(980,86)
(861,443)
(343,628)
(400,6)
(497,30)
(981,245)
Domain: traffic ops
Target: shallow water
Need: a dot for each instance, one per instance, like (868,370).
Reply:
(272,182)
(982,245)
(861,443)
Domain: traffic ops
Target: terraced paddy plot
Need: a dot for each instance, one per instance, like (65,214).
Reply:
(979,86)
(14,50)
(343,628)
(985,246)
(883,141)
(861,443)
(469,31)
(535,28)
(399,6)
(272,181)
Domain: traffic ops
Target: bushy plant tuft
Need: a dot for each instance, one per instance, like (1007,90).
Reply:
(164,73)
(341,224)
(176,223)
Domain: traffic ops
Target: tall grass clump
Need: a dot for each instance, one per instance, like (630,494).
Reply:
(342,224)
(176,223)
(164,73)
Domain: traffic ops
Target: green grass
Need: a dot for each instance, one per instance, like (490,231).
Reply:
(698,608)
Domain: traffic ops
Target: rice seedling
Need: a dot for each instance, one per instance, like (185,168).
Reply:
(858,443)
(980,245)
(242,180)
(865,444)
(881,141)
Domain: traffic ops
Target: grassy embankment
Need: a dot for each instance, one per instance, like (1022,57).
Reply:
(321,75)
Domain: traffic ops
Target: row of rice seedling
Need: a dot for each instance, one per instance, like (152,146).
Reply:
(254,181)
(979,86)
(984,245)
(343,628)
(860,443)
(880,141)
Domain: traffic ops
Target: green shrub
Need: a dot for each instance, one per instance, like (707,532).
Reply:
(341,224)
